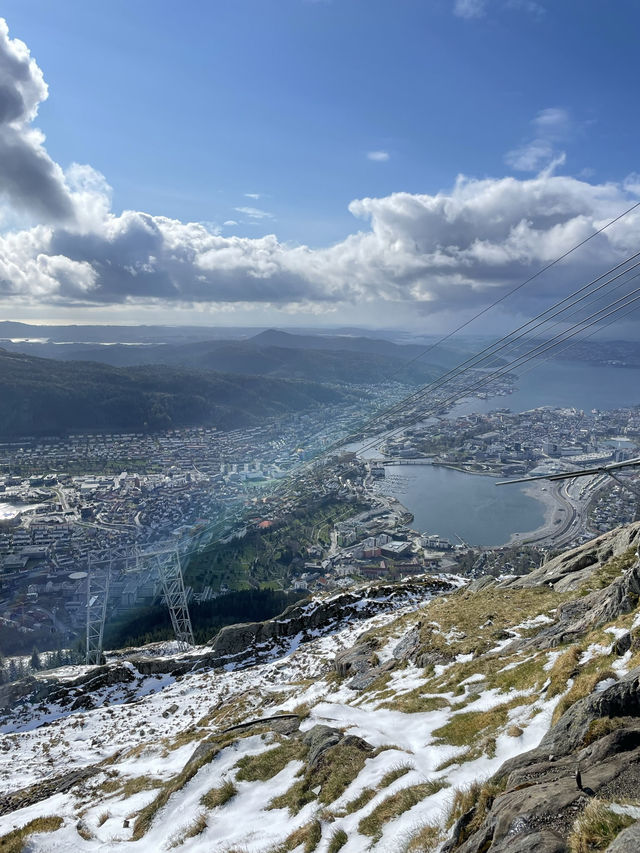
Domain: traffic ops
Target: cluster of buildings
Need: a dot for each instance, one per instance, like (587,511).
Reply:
(510,444)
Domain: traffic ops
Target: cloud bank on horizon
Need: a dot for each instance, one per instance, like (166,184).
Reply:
(62,244)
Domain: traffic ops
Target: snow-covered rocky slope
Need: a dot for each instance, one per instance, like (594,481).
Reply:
(385,730)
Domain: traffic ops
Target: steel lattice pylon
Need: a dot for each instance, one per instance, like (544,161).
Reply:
(170,573)
(98,581)
(166,561)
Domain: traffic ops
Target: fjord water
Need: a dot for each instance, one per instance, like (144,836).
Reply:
(454,504)
(565,383)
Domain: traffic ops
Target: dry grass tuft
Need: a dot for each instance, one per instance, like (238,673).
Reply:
(14,841)
(337,841)
(564,668)
(265,765)
(584,684)
(395,773)
(600,728)
(309,835)
(192,831)
(425,839)
(477,796)
(395,805)
(219,796)
(596,828)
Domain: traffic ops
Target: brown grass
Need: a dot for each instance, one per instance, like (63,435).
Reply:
(197,827)
(219,796)
(395,805)
(309,835)
(337,841)
(564,668)
(608,572)
(600,728)
(477,796)
(479,729)
(265,765)
(596,828)
(145,817)
(584,684)
(480,616)
(338,768)
(14,841)
(425,839)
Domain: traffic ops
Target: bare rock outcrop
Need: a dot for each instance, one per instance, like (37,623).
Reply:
(570,570)
(252,642)
(547,788)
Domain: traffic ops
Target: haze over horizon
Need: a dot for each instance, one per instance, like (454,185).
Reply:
(311,163)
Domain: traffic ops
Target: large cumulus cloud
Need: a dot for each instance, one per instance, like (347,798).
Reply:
(435,252)
(28,176)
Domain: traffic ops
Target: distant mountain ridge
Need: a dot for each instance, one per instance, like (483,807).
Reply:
(323,358)
(43,397)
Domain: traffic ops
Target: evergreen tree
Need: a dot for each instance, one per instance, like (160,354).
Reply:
(35,662)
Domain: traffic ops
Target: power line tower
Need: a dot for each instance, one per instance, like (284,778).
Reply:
(98,582)
(163,561)
(167,563)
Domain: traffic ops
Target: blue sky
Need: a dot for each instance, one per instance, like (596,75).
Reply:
(270,117)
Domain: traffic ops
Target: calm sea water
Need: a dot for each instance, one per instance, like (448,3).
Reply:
(565,383)
(452,503)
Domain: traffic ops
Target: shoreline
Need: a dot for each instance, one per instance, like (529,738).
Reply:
(551,504)
(544,494)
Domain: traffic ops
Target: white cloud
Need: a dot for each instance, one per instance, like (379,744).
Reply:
(551,126)
(632,183)
(421,253)
(229,222)
(254,196)
(29,178)
(553,123)
(254,212)
(469,8)
(536,10)
(378,156)
(436,252)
